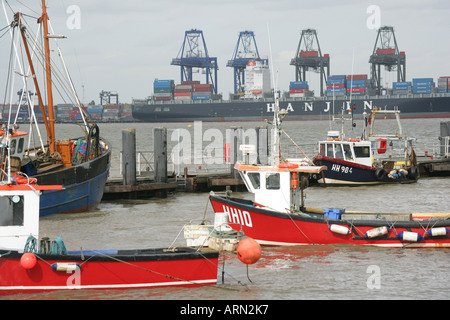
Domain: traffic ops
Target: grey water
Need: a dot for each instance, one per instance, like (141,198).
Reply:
(316,272)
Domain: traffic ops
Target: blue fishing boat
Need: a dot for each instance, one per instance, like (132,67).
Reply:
(80,165)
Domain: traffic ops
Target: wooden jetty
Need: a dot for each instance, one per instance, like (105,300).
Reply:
(158,183)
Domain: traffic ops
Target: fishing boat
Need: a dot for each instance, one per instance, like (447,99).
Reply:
(80,164)
(278,216)
(371,159)
(32,264)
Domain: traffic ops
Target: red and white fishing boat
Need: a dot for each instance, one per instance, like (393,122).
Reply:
(29,264)
(278,215)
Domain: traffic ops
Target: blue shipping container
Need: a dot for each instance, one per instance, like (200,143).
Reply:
(163,83)
(421,91)
(401,84)
(357,82)
(422,80)
(201,97)
(335,81)
(336,90)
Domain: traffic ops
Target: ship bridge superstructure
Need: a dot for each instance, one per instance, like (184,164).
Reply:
(245,51)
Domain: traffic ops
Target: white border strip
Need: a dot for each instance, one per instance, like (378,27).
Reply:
(111,286)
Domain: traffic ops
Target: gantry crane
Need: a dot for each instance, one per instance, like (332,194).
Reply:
(194,54)
(386,53)
(309,57)
(246,50)
(105,97)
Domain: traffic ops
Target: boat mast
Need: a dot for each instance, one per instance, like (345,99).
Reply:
(51,132)
(33,72)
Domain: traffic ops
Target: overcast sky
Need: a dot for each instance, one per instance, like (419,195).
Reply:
(124,45)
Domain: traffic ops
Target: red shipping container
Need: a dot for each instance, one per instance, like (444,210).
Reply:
(357,77)
(202,88)
(162,98)
(356,89)
(189,82)
(182,94)
(335,86)
(297,90)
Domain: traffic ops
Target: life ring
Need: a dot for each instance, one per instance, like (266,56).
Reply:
(24,180)
(288,165)
(380,174)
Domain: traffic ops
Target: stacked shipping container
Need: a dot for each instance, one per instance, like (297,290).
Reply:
(298,89)
(95,112)
(401,87)
(111,112)
(127,113)
(444,85)
(201,91)
(163,90)
(336,85)
(357,84)
(423,85)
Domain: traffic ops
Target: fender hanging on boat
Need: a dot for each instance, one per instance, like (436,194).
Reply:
(376,232)
(436,232)
(65,266)
(409,236)
(339,229)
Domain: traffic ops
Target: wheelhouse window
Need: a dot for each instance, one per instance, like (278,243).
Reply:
(254,179)
(338,152)
(20,146)
(12,211)
(330,152)
(362,152)
(273,181)
(347,152)
(12,148)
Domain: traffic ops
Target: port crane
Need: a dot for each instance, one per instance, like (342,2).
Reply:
(194,54)
(386,53)
(105,97)
(309,57)
(245,51)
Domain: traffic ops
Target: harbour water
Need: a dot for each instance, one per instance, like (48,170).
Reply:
(283,273)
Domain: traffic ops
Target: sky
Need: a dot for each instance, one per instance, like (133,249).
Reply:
(123,46)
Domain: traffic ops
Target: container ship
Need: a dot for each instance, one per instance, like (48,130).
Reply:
(253,97)
(417,99)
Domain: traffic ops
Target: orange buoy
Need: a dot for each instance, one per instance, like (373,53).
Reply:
(248,251)
(28,260)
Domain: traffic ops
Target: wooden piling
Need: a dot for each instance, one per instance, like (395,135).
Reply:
(129,157)
(160,157)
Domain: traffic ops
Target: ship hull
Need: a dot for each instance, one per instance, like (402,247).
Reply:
(341,172)
(108,269)
(313,109)
(83,186)
(270,227)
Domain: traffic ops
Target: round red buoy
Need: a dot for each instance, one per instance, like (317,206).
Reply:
(248,251)
(28,260)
